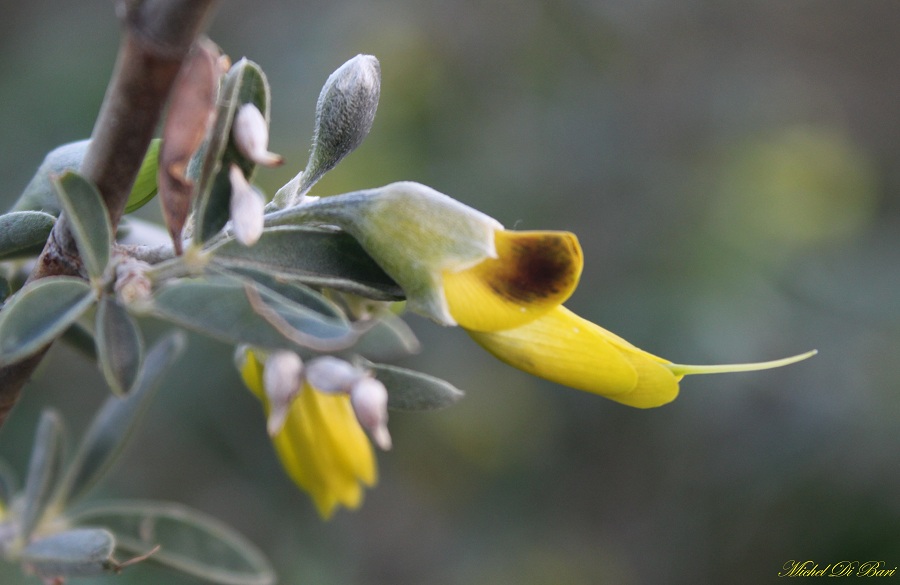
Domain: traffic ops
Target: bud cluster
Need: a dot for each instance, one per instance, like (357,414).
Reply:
(285,377)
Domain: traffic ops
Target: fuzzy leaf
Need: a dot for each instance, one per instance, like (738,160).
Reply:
(81,552)
(236,312)
(43,470)
(88,220)
(116,420)
(244,83)
(318,257)
(41,311)
(145,186)
(389,338)
(292,289)
(190,541)
(39,194)
(120,347)
(187,122)
(411,390)
(24,233)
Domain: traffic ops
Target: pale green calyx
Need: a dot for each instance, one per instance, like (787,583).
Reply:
(412,231)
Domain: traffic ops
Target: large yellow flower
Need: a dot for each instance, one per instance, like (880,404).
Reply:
(506,288)
(321,444)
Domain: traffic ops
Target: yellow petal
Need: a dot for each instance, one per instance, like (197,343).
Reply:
(564,348)
(321,444)
(657,384)
(534,272)
(325,451)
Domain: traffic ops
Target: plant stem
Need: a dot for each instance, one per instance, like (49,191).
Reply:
(157,36)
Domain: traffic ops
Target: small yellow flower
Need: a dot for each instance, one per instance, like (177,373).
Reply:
(321,444)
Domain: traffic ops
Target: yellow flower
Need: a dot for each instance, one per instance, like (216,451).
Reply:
(505,288)
(321,444)
(569,350)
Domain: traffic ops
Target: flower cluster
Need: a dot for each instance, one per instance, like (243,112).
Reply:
(456,266)
(316,418)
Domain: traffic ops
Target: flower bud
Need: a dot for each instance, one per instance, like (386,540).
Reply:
(250,132)
(369,398)
(132,284)
(332,375)
(282,383)
(345,111)
(247,208)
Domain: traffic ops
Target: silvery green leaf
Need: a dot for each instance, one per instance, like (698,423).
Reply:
(88,220)
(318,257)
(244,83)
(292,289)
(43,470)
(39,313)
(145,187)
(81,552)
(236,311)
(389,338)
(39,194)
(120,346)
(116,420)
(190,541)
(411,390)
(24,233)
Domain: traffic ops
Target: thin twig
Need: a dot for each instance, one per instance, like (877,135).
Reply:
(157,36)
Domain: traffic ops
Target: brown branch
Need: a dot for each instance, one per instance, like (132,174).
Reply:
(157,36)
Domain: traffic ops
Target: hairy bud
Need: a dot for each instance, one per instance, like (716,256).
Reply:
(250,132)
(332,375)
(247,208)
(344,115)
(281,382)
(369,398)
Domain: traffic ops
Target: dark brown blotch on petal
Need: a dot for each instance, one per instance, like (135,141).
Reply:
(534,266)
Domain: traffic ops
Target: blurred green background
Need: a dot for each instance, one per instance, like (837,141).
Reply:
(732,171)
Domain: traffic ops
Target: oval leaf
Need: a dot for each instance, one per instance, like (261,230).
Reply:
(24,233)
(39,313)
(120,347)
(116,420)
(39,194)
(237,312)
(88,220)
(43,470)
(145,187)
(244,83)
(189,541)
(389,338)
(82,552)
(411,390)
(292,289)
(318,257)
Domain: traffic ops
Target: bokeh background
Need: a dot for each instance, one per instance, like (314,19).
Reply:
(732,171)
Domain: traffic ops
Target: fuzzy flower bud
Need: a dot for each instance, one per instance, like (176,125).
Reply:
(247,208)
(332,375)
(251,136)
(345,111)
(132,284)
(369,398)
(282,383)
